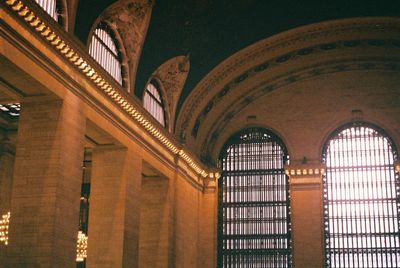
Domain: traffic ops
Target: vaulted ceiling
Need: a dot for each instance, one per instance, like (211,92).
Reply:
(209,31)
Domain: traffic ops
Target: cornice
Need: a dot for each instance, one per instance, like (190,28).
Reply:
(84,65)
(305,176)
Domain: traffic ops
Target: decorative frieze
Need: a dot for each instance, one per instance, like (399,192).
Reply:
(305,175)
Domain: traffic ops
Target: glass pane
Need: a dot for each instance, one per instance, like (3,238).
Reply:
(254,223)
(152,103)
(104,50)
(360,200)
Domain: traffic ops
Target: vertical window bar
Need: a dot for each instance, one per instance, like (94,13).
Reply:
(50,6)
(104,50)
(152,103)
(361,201)
(255,187)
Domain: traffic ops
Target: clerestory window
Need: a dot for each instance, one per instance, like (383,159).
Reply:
(361,199)
(104,49)
(254,227)
(153,103)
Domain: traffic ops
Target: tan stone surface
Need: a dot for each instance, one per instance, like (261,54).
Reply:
(46,184)
(307,227)
(155,221)
(114,208)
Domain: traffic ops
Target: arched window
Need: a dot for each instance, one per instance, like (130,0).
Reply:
(153,103)
(253,202)
(361,202)
(104,49)
(52,7)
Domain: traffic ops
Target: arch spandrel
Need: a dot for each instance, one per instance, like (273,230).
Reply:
(130,18)
(171,76)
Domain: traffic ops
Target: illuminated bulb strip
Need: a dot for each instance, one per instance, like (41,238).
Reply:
(56,41)
(4,224)
(305,171)
(81,247)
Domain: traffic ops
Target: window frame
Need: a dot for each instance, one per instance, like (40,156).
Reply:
(160,102)
(237,139)
(97,52)
(327,236)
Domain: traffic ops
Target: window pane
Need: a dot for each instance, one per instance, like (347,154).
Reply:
(254,223)
(104,50)
(153,104)
(360,200)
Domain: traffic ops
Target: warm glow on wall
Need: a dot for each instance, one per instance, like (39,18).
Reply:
(81,247)
(4,223)
(65,49)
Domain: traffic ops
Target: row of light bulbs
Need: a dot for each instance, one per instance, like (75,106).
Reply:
(4,224)
(34,21)
(81,246)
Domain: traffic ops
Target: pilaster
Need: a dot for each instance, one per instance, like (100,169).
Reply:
(307,213)
(113,231)
(46,183)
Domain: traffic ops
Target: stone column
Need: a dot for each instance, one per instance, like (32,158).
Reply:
(154,222)
(113,231)
(307,214)
(207,249)
(46,183)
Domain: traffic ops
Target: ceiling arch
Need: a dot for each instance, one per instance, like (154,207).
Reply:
(276,63)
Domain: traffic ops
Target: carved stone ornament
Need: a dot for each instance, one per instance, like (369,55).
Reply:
(172,76)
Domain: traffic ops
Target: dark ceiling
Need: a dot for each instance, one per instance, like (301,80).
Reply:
(209,31)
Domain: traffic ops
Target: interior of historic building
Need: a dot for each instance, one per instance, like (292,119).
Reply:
(201,133)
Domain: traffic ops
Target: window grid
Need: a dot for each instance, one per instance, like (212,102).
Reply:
(361,207)
(104,50)
(153,104)
(254,210)
(50,6)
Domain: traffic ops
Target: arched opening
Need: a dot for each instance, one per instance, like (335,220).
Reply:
(361,198)
(153,103)
(104,48)
(254,202)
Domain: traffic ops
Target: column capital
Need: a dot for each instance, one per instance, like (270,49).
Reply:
(305,175)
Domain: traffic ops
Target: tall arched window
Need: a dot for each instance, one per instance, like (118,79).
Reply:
(153,103)
(253,202)
(361,199)
(104,49)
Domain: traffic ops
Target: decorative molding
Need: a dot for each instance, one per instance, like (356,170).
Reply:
(287,57)
(131,19)
(282,80)
(172,76)
(305,175)
(71,54)
(280,42)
